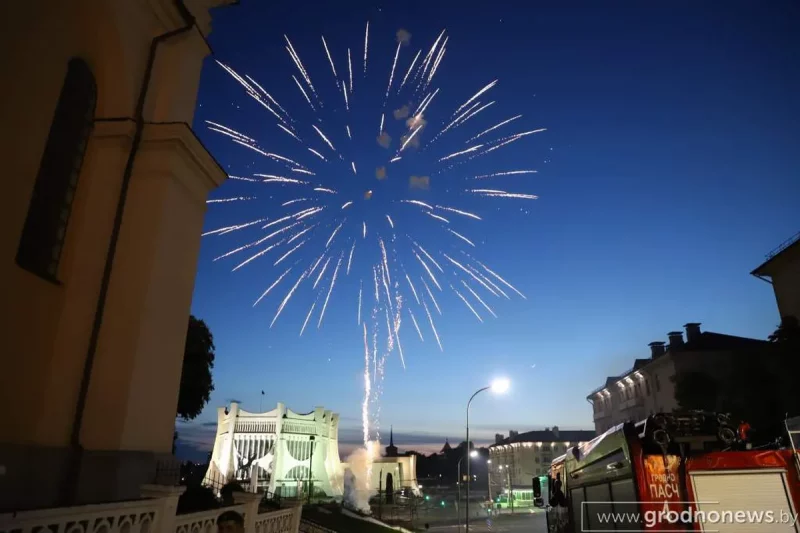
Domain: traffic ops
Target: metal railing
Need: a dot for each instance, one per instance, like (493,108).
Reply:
(784,245)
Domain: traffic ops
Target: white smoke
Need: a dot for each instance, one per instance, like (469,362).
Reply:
(358,477)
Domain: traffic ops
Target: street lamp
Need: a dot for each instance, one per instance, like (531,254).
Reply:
(473,454)
(498,386)
(311,470)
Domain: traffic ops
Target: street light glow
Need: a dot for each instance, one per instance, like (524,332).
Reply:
(500,385)
(473,453)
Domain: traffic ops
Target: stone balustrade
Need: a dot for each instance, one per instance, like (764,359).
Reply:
(154,513)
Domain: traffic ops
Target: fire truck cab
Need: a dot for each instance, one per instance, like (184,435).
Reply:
(675,472)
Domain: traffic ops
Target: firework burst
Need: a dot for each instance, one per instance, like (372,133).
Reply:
(363,224)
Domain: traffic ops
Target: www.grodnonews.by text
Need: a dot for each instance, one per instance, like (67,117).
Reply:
(666,516)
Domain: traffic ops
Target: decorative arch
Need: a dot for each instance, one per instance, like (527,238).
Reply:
(45,229)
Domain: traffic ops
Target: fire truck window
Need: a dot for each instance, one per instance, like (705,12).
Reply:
(578,512)
(598,498)
(623,491)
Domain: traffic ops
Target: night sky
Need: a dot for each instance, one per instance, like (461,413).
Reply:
(667,171)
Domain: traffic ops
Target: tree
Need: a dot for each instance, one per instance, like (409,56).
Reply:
(198,360)
(696,390)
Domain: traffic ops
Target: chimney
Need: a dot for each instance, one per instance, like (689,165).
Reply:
(555,431)
(512,433)
(692,331)
(657,349)
(498,438)
(675,338)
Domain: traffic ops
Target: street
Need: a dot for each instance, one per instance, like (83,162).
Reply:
(527,523)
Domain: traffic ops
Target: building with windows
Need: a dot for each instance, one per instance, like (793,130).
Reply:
(648,388)
(517,459)
(104,195)
(782,270)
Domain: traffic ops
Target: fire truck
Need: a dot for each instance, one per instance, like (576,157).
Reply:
(692,471)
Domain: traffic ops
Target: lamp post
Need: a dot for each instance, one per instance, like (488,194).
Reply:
(472,455)
(310,469)
(489,477)
(498,386)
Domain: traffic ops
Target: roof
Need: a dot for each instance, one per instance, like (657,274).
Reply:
(564,435)
(788,246)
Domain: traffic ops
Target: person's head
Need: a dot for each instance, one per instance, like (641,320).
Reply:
(230,522)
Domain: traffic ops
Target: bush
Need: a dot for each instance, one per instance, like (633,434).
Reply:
(196,499)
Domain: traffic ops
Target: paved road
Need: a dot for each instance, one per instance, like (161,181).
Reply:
(528,523)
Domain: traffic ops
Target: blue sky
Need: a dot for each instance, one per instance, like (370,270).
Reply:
(667,171)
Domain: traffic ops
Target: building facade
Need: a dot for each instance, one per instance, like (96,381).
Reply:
(105,192)
(288,453)
(648,388)
(516,460)
(782,270)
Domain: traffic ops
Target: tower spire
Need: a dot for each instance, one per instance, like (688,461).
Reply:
(391,436)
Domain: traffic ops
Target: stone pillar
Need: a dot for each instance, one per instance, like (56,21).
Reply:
(250,503)
(168,507)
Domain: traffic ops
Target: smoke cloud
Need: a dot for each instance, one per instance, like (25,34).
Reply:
(403,112)
(380,173)
(384,140)
(419,182)
(403,37)
(358,477)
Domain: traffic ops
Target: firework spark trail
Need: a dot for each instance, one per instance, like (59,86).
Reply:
(237,199)
(457,234)
(346,205)
(274,284)
(233,136)
(290,132)
(308,316)
(353,164)
(474,312)
(321,273)
(380,130)
(365,229)
(256,243)
(311,213)
(475,294)
(366,45)
(266,106)
(350,259)
(324,138)
(386,288)
(433,327)
(303,171)
(330,290)
(462,121)
(430,294)
(301,233)
(391,75)
(325,190)
(437,217)
(390,333)
(512,139)
(385,261)
(317,154)
(416,326)
(346,103)
(408,139)
(500,279)
(240,178)
(455,121)
(232,131)
(228,229)
(271,99)
(506,173)
(397,323)
(377,290)
(300,66)
(396,158)
(475,96)
(423,68)
(272,178)
(428,270)
(391,224)
(499,125)
(287,298)
(273,156)
(432,260)
(304,92)
(333,235)
(426,103)
(487,280)
(360,290)
(502,194)
(462,152)
(367,390)
(417,202)
(438,60)
(259,254)
(349,135)
(350,68)
(330,59)
(410,68)
(459,212)
(470,274)
(290,252)
(413,289)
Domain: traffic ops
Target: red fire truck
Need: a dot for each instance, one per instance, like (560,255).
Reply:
(676,472)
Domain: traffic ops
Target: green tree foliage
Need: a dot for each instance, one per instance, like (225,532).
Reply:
(696,390)
(198,360)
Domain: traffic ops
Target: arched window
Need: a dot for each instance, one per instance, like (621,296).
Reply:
(51,203)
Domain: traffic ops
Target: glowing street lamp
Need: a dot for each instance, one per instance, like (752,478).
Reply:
(498,386)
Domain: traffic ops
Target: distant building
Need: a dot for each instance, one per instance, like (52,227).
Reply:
(648,387)
(782,271)
(516,460)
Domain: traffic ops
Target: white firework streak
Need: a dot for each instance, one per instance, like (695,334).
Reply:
(301,233)
(237,199)
(303,171)
(459,212)
(346,205)
(474,113)
(385,261)
(259,254)
(317,154)
(428,270)
(499,125)
(427,61)
(316,264)
(350,68)
(437,217)
(433,298)
(228,229)
(408,139)
(274,284)
(349,135)
(377,290)
(438,60)
(346,102)
(475,294)
(271,99)
(239,178)
(474,312)
(391,75)
(330,290)
(428,256)
(304,92)
(391,224)
(426,103)
(272,178)
(475,96)
(386,288)
(410,68)
(256,243)
(333,235)
(397,323)
(352,163)
(502,194)
(308,316)
(462,152)
(324,138)
(360,290)
(350,259)
(275,157)
(390,339)
(512,139)
(313,212)
(457,234)
(367,390)
(417,202)
(396,158)
(325,190)
(469,273)
(500,279)
(257,98)
(433,327)
(487,280)
(300,66)
(290,252)
(328,53)
(366,45)
(365,229)
(383,116)
(232,132)
(413,289)
(454,121)
(290,132)
(416,326)
(321,273)
(287,298)
(506,173)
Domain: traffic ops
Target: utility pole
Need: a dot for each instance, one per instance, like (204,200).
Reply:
(311,470)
